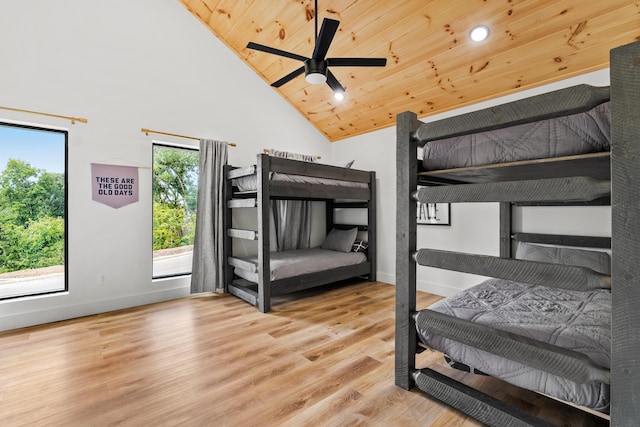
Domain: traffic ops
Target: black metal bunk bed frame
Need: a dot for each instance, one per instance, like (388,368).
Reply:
(581,179)
(267,190)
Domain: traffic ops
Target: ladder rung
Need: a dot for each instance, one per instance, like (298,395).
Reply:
(239,288)
(240,172)
(242,203)
(242,234)
(243,264)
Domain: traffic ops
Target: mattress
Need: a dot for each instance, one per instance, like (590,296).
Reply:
(250,182)
(582,133)
(578,321)
(302,261)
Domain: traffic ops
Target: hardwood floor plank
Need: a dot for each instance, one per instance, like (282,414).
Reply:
(321,357)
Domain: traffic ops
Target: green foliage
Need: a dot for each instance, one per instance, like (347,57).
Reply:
(31,217)
(175,174)
(39,244)
(175,188)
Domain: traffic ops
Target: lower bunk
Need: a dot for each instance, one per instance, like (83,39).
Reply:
(340,257)
(546,339)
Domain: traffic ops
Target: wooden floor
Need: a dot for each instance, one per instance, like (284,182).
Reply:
(213,360)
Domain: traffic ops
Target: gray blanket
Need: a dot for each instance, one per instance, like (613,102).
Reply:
(578,321)
(250,182)
(302,261)
(581,133)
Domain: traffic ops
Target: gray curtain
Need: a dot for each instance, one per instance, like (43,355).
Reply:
(292,218)
(207,269)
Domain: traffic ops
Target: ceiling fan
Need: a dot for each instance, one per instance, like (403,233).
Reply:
(316,68)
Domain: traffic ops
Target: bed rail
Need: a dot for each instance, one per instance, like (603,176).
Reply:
(474,403)
(534,272)
(546,106)
(317,170)
(308,191)
(564,240)
(576,189)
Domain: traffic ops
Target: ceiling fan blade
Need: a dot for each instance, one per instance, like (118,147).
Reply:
(288,77)
(333,83)
(274,51)
(327,31)
(356,62)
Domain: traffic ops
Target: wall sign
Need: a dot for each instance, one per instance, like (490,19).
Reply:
(433,213)
(114,185)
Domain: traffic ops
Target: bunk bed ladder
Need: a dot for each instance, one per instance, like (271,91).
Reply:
(241,288)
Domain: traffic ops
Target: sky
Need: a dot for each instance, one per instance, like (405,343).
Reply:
(41,149)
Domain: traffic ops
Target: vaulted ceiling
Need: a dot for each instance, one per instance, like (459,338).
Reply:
(432,65)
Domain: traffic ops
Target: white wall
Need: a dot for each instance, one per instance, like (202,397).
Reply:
(125,65)
(474,227)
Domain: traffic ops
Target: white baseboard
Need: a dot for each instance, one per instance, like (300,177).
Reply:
(422,285)
(436,288)
(386,278)
(56,314)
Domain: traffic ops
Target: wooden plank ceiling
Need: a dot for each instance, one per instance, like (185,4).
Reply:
(432,65)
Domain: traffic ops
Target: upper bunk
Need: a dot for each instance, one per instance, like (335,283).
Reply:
(295,179)
(554,135)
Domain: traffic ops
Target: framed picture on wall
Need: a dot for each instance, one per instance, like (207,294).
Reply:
(434,213)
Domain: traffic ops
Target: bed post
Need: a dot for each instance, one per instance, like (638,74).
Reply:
(227,246)
(625,233)
(406,182)
(505,229)
(329,215)
(372,227)
(264,206)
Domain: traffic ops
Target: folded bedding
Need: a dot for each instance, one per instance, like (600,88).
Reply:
(302,261)
(581,133)
(250,182)
(578,321)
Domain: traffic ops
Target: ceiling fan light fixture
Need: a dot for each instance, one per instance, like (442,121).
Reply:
(315,71)
(315,78)
(479,33)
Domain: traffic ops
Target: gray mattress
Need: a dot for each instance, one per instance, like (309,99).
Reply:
(581,133)
(302,261)
(250,182)
(578,321)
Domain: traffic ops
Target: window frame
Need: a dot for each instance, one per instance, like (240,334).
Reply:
(164,144)
(65,133)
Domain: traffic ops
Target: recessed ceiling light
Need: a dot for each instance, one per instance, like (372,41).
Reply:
(479,33)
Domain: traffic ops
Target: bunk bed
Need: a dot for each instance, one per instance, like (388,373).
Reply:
(470,326)
(257,278)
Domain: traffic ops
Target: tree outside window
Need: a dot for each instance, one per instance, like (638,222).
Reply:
(175,192)
(32,211)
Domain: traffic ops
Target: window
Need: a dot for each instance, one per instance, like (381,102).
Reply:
(33,206)
(175,193)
